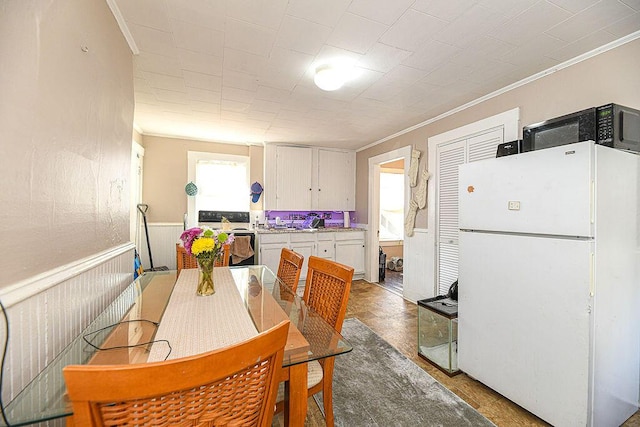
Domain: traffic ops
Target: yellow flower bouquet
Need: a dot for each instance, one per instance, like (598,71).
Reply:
(206,245)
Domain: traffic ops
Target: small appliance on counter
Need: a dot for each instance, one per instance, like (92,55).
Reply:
(313,220)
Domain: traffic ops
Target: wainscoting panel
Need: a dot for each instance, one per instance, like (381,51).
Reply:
(418,278)
(163,238)
(43,324)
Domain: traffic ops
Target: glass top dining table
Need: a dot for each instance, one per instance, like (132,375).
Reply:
(125,332)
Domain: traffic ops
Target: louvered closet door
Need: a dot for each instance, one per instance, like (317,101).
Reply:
(450,156)
(484,146)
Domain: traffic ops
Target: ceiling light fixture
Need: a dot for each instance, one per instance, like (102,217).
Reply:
(330,77)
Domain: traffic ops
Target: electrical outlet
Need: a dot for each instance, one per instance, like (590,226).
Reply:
(514,205)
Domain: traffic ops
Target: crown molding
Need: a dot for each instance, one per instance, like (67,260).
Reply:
(123,26)
(595,52)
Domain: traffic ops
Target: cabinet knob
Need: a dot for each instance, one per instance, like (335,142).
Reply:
(319,189)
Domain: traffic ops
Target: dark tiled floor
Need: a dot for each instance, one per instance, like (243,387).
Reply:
(395,320)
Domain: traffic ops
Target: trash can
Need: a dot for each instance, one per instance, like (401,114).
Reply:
(382,262)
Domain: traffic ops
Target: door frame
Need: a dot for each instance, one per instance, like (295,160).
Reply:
(508,120)
(136,184)
(404,153)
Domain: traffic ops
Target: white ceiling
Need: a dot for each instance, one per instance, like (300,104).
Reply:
(240,70)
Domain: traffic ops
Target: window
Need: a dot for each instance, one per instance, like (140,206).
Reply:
(391,205)
(222,180)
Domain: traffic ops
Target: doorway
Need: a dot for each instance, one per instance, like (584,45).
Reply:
(376,165)
(391,225)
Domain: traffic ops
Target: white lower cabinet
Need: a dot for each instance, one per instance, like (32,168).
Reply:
(269,249)
(327,249)
(345,247)
(349,250)
(270,255)
(305,245)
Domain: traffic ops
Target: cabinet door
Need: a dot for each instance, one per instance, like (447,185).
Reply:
(351,253)
(306,249)
(336,180)
(326,249)
(293,177)
(270,255)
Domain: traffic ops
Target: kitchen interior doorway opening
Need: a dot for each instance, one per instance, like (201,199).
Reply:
(391,225)
(385,228)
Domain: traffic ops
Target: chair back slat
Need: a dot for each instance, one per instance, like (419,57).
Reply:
(290,268)
(186,260)
(327,289)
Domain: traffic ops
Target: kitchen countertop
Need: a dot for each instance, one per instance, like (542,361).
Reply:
(306,230)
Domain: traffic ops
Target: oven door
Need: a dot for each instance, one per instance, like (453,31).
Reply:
(575,127)
(252,240)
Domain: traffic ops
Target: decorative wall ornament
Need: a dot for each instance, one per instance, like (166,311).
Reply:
(410,219)
(420,196)
(413,168)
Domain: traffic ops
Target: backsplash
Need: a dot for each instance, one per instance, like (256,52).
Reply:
(331,218)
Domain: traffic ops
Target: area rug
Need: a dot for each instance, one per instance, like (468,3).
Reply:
(376,385)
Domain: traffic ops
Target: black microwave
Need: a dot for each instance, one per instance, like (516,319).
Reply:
(611,125)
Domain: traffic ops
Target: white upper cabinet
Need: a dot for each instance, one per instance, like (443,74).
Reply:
(309,178)
(293,177)
(336,180)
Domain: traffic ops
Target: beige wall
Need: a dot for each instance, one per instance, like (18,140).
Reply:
(165,173)
(66,124)
(609,77)
(392,250)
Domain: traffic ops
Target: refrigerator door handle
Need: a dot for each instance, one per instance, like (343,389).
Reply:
(592,202)
(592,263)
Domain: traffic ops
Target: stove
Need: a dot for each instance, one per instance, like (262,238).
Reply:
(213,219)
(240,226)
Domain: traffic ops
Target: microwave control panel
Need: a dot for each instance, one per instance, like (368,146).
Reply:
(604,116)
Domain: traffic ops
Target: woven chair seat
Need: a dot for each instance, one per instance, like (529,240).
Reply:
(314,376)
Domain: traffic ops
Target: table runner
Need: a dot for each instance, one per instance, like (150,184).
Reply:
(193,324)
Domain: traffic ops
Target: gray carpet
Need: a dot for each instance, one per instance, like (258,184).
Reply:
(376,385)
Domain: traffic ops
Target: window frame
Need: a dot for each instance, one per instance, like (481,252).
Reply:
(399,238)
(192,159)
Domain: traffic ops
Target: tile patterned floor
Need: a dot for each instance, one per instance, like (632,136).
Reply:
(395,320)
(392,281)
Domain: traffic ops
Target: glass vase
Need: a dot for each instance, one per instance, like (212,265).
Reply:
(205,279)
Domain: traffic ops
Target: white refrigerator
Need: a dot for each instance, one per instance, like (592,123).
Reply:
(549,283)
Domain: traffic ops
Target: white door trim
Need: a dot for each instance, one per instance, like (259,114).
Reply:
(509,120)
(371,273)
(137,178)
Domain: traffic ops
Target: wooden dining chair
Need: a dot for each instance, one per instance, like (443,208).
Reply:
(326,291)
(236,385)
(186,260)
(290,268)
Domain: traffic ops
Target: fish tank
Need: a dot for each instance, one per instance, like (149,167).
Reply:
(438,333)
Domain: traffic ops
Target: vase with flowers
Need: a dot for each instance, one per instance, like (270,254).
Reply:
(206,245)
